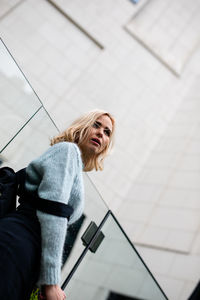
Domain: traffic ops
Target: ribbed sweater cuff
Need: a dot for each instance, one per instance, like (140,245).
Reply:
(50,276)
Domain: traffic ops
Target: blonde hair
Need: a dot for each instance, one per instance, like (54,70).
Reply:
(78,132)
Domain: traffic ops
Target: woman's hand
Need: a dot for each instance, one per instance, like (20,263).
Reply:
(53,292)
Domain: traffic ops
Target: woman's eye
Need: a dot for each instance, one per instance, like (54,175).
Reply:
(96,125)
(107,132)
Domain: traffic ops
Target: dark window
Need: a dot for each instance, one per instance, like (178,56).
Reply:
(114,296)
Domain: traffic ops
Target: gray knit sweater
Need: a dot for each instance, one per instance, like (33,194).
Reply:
(57,175)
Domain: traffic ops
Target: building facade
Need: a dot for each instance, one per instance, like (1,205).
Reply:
(141,63)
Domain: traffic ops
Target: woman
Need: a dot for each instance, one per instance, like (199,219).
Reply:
(56,176)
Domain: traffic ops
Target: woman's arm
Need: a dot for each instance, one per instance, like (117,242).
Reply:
(56,170)
(53,231)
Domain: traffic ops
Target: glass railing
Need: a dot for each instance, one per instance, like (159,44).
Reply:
(115,270)
(18,101)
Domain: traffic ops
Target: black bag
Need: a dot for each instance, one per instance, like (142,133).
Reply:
(12,184)
(8,190)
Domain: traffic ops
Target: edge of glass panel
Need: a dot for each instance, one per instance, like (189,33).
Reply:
(20,70)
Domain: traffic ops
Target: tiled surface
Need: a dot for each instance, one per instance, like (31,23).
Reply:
(50,50)
(153,171)
(7,6)
(191,264)
(175,287)
(173,174)
(169,29)
(177,274)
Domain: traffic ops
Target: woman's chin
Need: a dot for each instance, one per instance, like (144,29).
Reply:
(90,149)
(93,150)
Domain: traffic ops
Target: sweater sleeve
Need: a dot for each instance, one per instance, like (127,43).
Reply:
(57,169)
(53,231)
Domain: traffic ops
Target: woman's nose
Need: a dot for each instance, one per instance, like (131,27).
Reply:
(100,132)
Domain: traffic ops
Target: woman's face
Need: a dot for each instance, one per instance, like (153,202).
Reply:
(99,136)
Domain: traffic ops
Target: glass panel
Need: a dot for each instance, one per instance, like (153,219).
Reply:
(95,210)
(115,271)
(6,6)
(18,100)
(30,142)
(26,130)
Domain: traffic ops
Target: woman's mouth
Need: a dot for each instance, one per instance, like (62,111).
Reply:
(96,142)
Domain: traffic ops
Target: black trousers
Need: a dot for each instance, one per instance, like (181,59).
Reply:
(20,251)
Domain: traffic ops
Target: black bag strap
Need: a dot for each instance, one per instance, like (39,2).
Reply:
(48,206)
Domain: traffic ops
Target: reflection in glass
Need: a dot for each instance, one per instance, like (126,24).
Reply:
(114,270)
(18,102)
